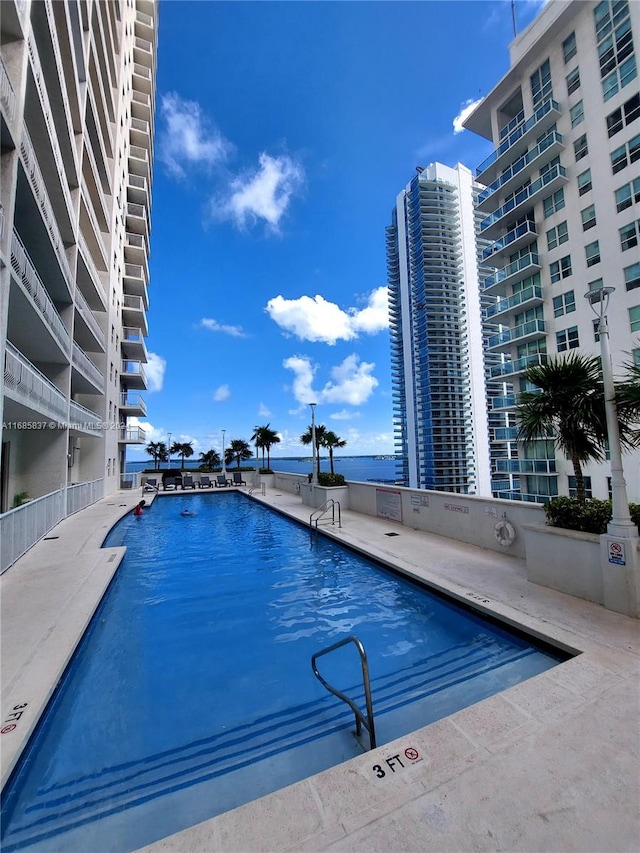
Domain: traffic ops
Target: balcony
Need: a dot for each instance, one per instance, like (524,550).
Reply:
(513,273)
(510,401)
(37,296)
(141,106)
(140,133)
(83,420)
(512,241)
(7,95)
(142,79)
(511,368)
(133,375)
(137,220)
(132,404)
(133,345)
(139,162)
(134,282)
(504,434)
(529,297)
(132,435)
(143,52)
(547,183)
(551,145)
(26,385)
(133,313)
(89,379)
(88,277)
(530,331)
(526,466)
(518,141)
(88,331)
(138,190)
(143,25)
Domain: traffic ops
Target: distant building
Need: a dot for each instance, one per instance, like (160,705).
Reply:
(562,213)
(77,91)
(438,367)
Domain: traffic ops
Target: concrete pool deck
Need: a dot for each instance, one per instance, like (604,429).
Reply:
(551,764)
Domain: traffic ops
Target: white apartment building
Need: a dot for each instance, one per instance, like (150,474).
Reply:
(437,332)
(562,211)
(77,88)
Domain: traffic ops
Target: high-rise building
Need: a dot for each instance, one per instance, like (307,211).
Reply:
(77,87)
(437,332)
(562,211)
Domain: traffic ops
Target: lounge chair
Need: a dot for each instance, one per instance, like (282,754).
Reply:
(151,484)
(205,481)
(237,479)
(187,482)
(169,483)
(221,481)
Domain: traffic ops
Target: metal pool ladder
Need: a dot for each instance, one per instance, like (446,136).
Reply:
(361,720)
(318,514)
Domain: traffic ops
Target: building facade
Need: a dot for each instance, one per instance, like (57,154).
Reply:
(437,333)
(561,210)
(77,93)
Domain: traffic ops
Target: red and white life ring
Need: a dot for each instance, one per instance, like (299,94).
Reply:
(505,533)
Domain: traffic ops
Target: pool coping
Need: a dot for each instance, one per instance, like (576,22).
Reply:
(349,806)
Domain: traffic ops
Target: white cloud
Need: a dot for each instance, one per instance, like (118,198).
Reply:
(188,138)
(214,326)
(344,415)
(261,195)
(316,319)
(221,394)
(263,411)
(352,381)
(465,111)
(155,369)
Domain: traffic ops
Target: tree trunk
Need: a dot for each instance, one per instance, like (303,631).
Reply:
(577,470)
(331,459)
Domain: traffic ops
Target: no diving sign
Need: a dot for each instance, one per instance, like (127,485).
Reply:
(616,553)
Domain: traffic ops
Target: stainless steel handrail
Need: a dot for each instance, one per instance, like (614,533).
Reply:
(361,720)
(330,504)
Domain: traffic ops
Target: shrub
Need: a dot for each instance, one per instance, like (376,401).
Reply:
(330,479)
(592,516)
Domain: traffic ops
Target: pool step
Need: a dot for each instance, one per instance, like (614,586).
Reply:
(58,808)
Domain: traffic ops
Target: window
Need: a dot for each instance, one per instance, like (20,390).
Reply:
(634,318)
(573,81)
(588,217)
(573,486)
(635,356)
(624,115)
(541,88)
(627,194)
(580,147)
(553,203)
(564,304)
(560,269)
(567,339)
(626,154)
(569,47)
(584,182)
(615,45)
(629,235)
(596,284)
(592,252)
(632,279)
(577,114)
(558,235)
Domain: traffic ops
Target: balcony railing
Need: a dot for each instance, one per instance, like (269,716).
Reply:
(32,283)
(526,195)
(128,400)
(7,95)
(526,466)
(507,402)
(87,315)
(132,369)
(530,260)
(91,268)
(553,138)
(518,133)
(25,383)
(81,418)
(523,231)
(532,329)
(510,368)
(134,303)
(528,294)
(132,435)
(83,363)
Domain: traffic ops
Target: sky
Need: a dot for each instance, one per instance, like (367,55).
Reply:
(283,133)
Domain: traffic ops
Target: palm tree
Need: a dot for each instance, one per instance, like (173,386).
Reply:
(184,449)
(239,450)
(210,459)
(307,438)
(628,400)
(332,441)
(258,438)
(157,450)
(269,438)
(568,407)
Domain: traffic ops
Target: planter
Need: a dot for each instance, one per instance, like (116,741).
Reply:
(317,496)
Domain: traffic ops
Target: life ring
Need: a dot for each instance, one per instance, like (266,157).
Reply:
(297,488)
(505,533)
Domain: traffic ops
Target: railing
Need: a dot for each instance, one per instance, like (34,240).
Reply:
(135,435)
(87,315)
(525,195)
(131,367)
(90,265)
(318,514)
(361,720)
(525,295)
(132,334)
(143,18)
(139,153)
(139,124)
(82,418)
(130,481)
(83,363)
(520,164)
(132,302)
(526,261)
(522,230)
(32,387)
(26,272)
(139,211)
(7,95)
(532,327)
(526,466)
(132,401)
(22,527)
(519,365)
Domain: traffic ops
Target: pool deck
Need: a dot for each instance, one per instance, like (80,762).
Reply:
(552,764)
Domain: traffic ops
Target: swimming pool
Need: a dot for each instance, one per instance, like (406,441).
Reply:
(176,706)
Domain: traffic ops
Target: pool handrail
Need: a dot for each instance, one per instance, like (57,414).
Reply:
(321,511)
(361,720)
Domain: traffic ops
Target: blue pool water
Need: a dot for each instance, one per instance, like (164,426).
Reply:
(192,691)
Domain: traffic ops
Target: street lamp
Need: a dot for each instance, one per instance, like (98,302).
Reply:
(314,475)
(169,451)
(224,467)
(620,524)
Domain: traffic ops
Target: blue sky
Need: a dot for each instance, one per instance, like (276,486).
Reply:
(284,132)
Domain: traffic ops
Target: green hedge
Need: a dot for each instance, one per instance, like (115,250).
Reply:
(329,479)
(592,516)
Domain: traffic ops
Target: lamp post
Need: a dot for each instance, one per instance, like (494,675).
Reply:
(169,451)
(224,467)
(314,474)
(620,524)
